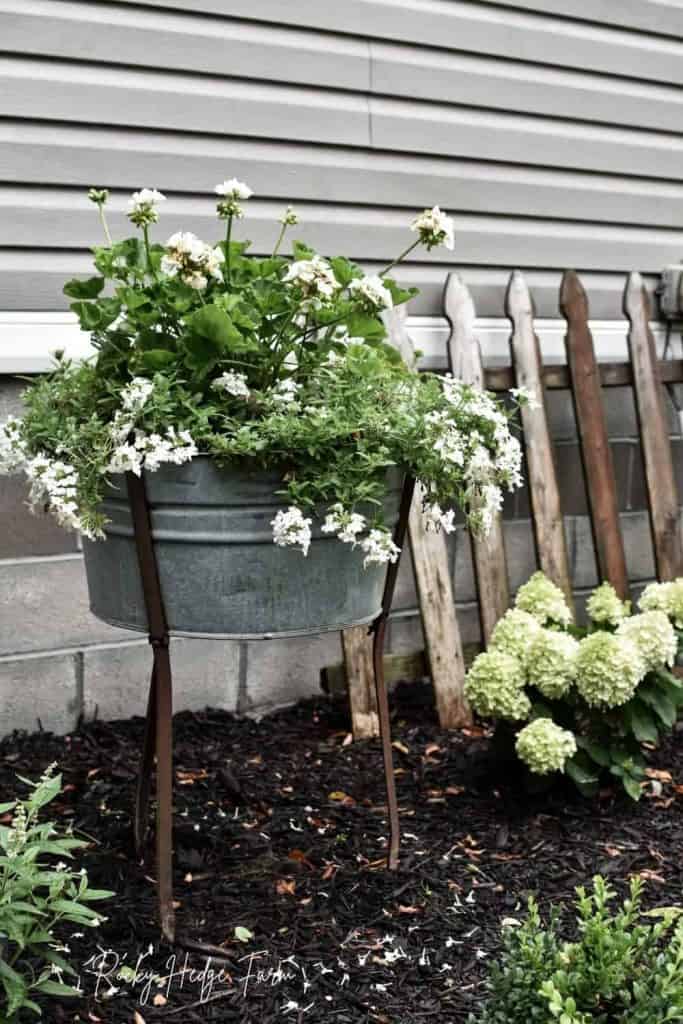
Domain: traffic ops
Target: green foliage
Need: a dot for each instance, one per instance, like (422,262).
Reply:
(39,893)
(622,967)
(273,362)
(608,686)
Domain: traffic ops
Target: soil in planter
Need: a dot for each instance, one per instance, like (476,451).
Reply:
(280,837)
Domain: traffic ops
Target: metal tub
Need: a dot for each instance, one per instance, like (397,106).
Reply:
(221,574)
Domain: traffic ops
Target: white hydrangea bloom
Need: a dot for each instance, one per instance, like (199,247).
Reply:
(292,529)
(134,396)
(192,260)
(371,292)
(347,525)
(605,606)
(437,519)
(654,636)
(232,383)
(514,633)
(434,228)
(142,206)
(545,747)
(550,662)
(608,669)
(494,686)
(379,548)
(316,280)
(13,451)
(664,597)
(544,600)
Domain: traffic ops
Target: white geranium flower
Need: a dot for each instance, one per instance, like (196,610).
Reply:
(234,189)
(142,206)
(316,280)
(192,260)
(292,529)
(434,228)
(371,292)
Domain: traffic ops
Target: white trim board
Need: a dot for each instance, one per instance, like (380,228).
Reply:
(28,339)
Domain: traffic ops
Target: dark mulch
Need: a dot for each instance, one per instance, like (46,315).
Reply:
(280,829)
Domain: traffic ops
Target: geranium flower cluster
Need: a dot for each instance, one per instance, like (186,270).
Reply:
(537,655)
(276,363)
(192,260)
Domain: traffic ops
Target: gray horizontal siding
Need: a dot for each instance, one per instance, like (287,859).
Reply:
(553,131)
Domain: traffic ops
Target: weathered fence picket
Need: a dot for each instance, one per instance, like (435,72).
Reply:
(551,547)
(465,362)
(659,472)
(596,453)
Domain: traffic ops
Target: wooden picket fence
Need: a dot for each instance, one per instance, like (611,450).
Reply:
(443,658)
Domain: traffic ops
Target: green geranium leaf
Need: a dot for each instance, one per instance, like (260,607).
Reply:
(88,289)
(157,359)
(211,335)
(399,295)
(361,325)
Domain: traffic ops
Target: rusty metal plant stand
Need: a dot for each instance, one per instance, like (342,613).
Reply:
(158,740)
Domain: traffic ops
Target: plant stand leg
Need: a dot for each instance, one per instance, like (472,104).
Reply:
(141,820)
(159,725)
(378,630)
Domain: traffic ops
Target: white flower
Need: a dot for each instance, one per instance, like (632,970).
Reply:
(232,383)
(192,260)
(13,450)
(135,395)
(289,218)
(233,189)
(437,519)
(371,292)
(142,206)
(291,529)
(149,451)
(285,392)
(434,228)
(347,525)
(525,396)
(653,635)
(379,548)
(316,280)
(54,484)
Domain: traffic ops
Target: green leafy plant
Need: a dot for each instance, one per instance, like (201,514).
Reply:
(39,894)
(278,362)
(623,967)
(594,698)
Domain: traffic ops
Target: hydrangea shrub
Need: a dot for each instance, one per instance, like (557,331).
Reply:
(591,697)
(275,362)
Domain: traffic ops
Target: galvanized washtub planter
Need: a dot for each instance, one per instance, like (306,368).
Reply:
(221,574)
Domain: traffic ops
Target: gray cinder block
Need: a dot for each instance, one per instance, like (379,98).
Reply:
(116,679)
(39,691)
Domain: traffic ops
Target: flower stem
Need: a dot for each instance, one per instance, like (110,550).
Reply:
(145,235)
(400,258)
(279,240)
(228,233)
(105,226)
